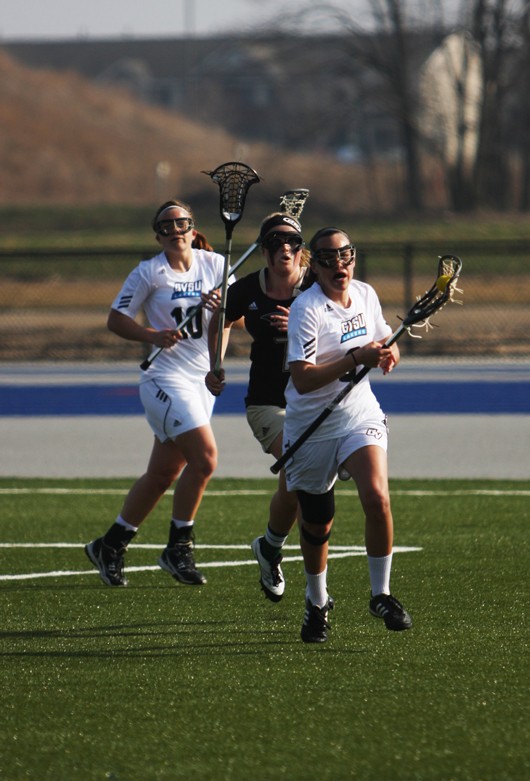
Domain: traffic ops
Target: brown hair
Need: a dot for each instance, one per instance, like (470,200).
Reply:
(320,234)
(168,205)
(201,242)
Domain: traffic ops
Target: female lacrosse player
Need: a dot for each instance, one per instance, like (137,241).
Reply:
(263,299)
(177,405)
(334,327)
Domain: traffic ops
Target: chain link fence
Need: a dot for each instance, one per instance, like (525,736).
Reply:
(54,304)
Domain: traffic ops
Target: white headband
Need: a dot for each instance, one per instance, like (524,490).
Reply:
(173,206)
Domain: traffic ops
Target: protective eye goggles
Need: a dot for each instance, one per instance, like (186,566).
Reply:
(181,225)
(275,241)
(328,258)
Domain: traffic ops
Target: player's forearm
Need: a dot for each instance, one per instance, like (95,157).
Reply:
(309,377)
(127,328)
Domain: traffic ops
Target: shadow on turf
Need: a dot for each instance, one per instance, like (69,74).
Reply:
(261,643)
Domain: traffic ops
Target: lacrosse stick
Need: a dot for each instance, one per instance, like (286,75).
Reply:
(449,267)
(234,180)
(292,202)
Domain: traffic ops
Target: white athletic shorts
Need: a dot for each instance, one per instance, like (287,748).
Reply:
(266,423)
(313,468)
(172,410)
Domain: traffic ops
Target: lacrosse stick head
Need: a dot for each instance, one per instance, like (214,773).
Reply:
(234,180)
(292,202)
(441,293)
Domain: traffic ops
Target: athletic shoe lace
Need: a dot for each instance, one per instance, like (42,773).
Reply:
(396,604)
(276,578)
(317,617)
(184,556)
(114,563)
(387,602)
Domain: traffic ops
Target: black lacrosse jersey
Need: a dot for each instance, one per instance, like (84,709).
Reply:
(269,370)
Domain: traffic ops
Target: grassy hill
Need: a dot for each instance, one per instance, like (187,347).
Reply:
(67,140)
(84,158)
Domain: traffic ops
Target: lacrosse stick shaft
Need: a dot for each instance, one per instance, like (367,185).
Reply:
(326,412)
(222,305)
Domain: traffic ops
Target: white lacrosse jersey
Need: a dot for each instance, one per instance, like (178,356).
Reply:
(166,296)
(321,330)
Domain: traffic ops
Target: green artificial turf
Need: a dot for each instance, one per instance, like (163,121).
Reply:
(165,681)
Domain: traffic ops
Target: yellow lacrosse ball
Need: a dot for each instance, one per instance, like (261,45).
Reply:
(442,282)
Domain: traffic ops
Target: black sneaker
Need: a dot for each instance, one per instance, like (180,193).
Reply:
(315,626)
(108,561)
(179,562)
(271,580)
(392,612)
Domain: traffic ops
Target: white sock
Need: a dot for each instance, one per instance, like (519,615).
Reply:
(316,589)
(122,522)
(275,540)
(379,568)
(182,524)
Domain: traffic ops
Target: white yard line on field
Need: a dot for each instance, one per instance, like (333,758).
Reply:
(336,552)
(198,546)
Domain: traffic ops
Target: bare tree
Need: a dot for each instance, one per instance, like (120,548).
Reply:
(489,26)
(396,79)
(387,50)
(524,124)
(389,54)
(498,27)
(485,110)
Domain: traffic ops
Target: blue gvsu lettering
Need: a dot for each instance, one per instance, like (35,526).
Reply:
(356,326)
(187,289)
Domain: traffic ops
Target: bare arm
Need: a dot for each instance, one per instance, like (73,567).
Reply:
(127,328)
(309,377)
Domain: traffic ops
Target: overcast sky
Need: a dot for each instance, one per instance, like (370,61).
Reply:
(55,19)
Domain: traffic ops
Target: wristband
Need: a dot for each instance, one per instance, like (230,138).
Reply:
(352,353)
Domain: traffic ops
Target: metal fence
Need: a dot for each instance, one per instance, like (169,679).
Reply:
(54,304)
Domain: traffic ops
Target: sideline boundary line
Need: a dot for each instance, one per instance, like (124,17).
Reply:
(262,492)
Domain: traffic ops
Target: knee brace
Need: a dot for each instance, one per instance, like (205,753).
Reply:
(312,539)
(317,508)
